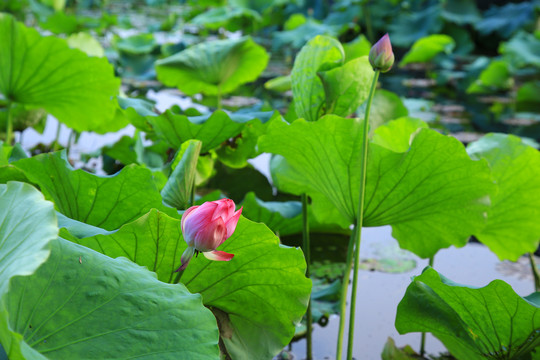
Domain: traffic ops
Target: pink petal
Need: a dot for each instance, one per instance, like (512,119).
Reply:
(186,257)
(217,255)
(196,220)
(211,236)
(185,215)
(224,209)
(232,222)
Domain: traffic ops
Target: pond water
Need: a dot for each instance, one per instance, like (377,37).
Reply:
(379,294)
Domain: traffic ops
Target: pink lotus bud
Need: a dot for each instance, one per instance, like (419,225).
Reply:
(381,56)
(207,226)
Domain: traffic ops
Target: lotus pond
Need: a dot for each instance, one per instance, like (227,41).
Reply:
(269,179)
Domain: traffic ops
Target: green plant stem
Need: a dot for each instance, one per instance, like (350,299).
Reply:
(56,145)
(423,337)
(178,277)
(219,97)
(307,254)
(9,125)
(534,269)
(360,216)
(343,295)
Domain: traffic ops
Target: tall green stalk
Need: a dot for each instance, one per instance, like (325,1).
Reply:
(534,269)
(307,254)
(360,215)
(423,337)
(9,125)
(343,296)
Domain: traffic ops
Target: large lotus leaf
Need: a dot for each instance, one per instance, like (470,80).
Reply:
(44,72)
(347,86)
(426,48)
(432,194)
(104,201)
(523,49)
(232,18)
(212,68)
(178,189)
(473,323)
(212,130)
(82,304)
(28,225)
(319,54)
(513,228)
(283,217)
(505,20)
(262,278)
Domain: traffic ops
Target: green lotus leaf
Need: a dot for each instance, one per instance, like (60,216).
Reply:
(263,277)
(212,130)
(505,20)
(213,68)
(494,78)
(44,72)
(513,228)
(178,189)
(28,226)
(319,54)
(426,48)
(347,87)
(415,191)
(473,323)
(82,304)
(232,18)
(104,201)
(283,217)
(385,106)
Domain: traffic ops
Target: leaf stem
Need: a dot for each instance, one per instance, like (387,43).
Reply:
(219,97)
(343,295)
(534,269)
(56,145)
(307,253)
(9,124)
(423,337)
(360,215)
(178,276)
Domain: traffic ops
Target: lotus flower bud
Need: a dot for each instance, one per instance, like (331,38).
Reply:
(381,56)
(207,226)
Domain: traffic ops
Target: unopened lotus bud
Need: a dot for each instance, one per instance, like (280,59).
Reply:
(381,56)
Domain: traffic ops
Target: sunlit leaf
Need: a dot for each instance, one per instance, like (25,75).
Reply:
(82,304)
(232,18)
(426,48)
(473,323)
(44,72)
(216,67)
(104,201)
(513,228)
(494,78)
(178,189)
(522,50)
(28,226)
(347,87)
(319,54)
(414,191)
